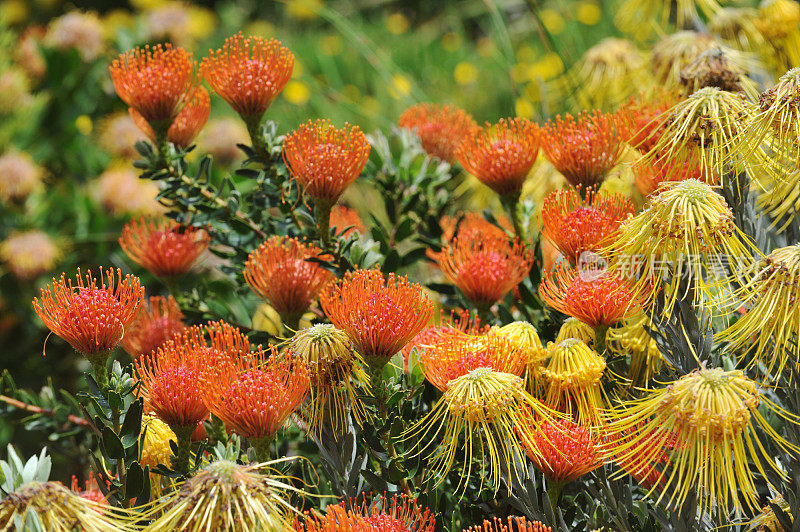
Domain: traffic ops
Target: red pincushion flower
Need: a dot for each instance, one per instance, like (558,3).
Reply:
(248,73)
(156,323)
(584,148)
(155,81)
(346,220)
(91,490)
(254,394)
(163,247)
(325,160)
(187,124)
(649,175)
(576,224)
(484,269)
(598,299)
(563,450)
(441,128)
(501,155)
(281,274)
(378,515)
(173,378)
(92,317)
(455,355)
(498,525)
(380,315)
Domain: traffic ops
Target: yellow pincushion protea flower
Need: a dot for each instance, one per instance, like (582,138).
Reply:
(632,339)
(334,367)
(716,68)
(769,330)
(155,450)
(569,381)
(60,509)
(776,129)
(226,496)
(609,73)
(736,27)
(674,51)
(714,415)
(525,336)
(686,231)
(632,13)
(483,399)
(779,22)
(766,520)
(575,328)
(703,130)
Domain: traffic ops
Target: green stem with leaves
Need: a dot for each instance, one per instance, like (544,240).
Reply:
(180,461)
(511,205)
(253,124)
(322,213)
(600,338)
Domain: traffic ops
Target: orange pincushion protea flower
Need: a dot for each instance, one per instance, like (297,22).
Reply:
(575,224)
(187,124)
(485,269)
(511,524)
(473,225)
(90,491)
(173,376)
(92,314)
(163,247)
(157,322)
(482,394)
(597,299)
(563,450)
(281,274)
(441,128)
(325,160)
(154,81)
(346,220)
(380,316)
(248,73)
(584,148)
(648,176)
(454,325)
(647,472)
(170,380)
(456,354)
(378,515)
(641,120)
(255,394)
(501,155)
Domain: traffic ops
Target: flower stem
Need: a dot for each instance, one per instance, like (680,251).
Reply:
(162,144)
(100,371)
(554,493)
(180,461)
(261,447)
(322,212)
(511,204)
(600,338)
(253,124)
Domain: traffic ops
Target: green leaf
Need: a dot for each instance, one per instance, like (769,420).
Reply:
(134,481)
(112,444)
(404,230)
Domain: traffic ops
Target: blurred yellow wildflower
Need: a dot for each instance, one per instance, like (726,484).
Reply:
(552,20)
(397,23)
(588,13)
(297,92)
